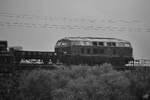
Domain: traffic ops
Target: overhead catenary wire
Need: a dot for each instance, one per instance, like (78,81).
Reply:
(5,24)
(68,19)
(65,23)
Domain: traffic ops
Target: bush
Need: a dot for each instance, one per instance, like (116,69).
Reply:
(140,81)
(35,86)
(82,83)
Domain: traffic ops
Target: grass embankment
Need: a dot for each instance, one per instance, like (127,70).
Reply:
(83,83)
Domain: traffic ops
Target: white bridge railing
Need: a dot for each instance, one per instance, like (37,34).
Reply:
(139,63)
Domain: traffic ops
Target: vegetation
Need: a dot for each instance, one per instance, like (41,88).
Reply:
(83,83)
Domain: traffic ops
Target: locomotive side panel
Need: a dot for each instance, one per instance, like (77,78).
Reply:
(100,55)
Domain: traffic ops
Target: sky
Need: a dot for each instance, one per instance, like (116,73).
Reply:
(38,24)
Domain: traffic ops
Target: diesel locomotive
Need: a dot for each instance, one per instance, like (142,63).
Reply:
(75,50)
(93,50)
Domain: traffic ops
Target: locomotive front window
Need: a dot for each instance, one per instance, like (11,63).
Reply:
(62,43)
(58,44)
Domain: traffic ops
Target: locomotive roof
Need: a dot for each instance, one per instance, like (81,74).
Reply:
(94,39)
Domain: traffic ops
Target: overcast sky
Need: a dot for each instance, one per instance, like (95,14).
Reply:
(124,19)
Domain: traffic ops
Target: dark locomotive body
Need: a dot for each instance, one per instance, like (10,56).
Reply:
(88,50)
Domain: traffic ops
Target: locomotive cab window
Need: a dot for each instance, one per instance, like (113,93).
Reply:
(113,44)
(94,43)
(101,43)
(86,43)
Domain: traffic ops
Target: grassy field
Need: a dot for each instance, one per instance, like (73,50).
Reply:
(82,83)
